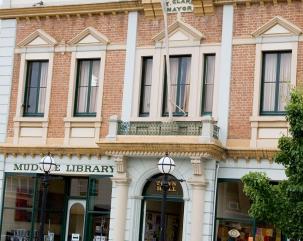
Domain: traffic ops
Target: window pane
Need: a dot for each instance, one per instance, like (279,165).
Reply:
(232,203)
(82,99)
(78,187)
(100,194)
(19,191)
(276,84)
(84,66)
(146,81)
(269,96)
(284,93)
(32,95)
(269,81)
(36,87)
(87,86)
(285,75)
(34,68)
(224,226)
(98,228)
(270,65)
(16,224)
(208,83)
(180,82)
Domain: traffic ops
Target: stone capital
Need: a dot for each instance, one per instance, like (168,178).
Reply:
(121,179)
(198,183)
(121,162)
(198,166)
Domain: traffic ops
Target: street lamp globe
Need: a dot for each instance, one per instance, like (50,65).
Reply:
(166,164)
(47,164)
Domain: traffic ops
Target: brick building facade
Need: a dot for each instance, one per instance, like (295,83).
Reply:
(85,81)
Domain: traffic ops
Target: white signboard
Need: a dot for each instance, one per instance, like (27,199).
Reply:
(182,6)
(75,237)
(67,166)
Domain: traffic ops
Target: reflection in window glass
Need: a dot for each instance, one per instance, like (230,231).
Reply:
(78,187)
(232,202)
(19,192)
(16,224)
(100,194)
(232,217)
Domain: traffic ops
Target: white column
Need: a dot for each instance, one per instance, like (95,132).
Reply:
(129,65)
(225,72)
(7,46)
(120,181)
(198,185)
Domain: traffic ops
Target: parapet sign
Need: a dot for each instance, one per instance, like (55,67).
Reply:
(182,6)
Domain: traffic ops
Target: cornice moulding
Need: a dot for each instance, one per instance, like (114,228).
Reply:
(146,149)
(70,9)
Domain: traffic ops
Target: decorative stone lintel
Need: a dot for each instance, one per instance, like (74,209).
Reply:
(120,163)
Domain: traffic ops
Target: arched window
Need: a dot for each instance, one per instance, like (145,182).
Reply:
(151,210)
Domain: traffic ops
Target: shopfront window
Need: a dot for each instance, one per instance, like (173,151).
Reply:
(18,207)
(54,213)
(74,206)
(98,214)
(232,220)
(151,210)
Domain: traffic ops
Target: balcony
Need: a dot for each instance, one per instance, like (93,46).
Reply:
(206,130)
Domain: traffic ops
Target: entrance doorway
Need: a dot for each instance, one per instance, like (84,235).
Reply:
(75,220)
(151,210)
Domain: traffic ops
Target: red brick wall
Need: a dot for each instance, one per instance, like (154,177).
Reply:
(210,26)
(113,87)
(112,26)
(241,91)
(249,19)
(59,93)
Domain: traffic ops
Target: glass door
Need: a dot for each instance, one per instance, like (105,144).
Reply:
(75,220)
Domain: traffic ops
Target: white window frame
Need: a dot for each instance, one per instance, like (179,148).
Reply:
(277,43)
(195,94)
(84,122)
(32,122)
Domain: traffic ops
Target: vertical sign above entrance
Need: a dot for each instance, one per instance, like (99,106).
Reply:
(179,6)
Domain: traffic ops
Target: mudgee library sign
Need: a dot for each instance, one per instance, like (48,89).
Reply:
(64,166)
(182,6)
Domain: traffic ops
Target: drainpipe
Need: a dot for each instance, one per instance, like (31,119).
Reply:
(215,200)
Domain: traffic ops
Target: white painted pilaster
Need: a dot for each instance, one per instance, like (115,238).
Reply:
(129,73)
(121,183)
(225,72)
(7,45)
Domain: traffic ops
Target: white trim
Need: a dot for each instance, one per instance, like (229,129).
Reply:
(129,65)
(70,121)
(19,120)
(257,120)
(195,96)
(225,72)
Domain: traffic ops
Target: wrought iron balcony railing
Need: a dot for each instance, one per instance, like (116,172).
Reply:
(160,128)
(176,128)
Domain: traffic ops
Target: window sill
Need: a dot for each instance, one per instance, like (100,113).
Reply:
(267,118)
(82,119)
(30,119)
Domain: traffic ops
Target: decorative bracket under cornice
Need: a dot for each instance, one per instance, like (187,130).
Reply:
(71,10)
(208,151)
